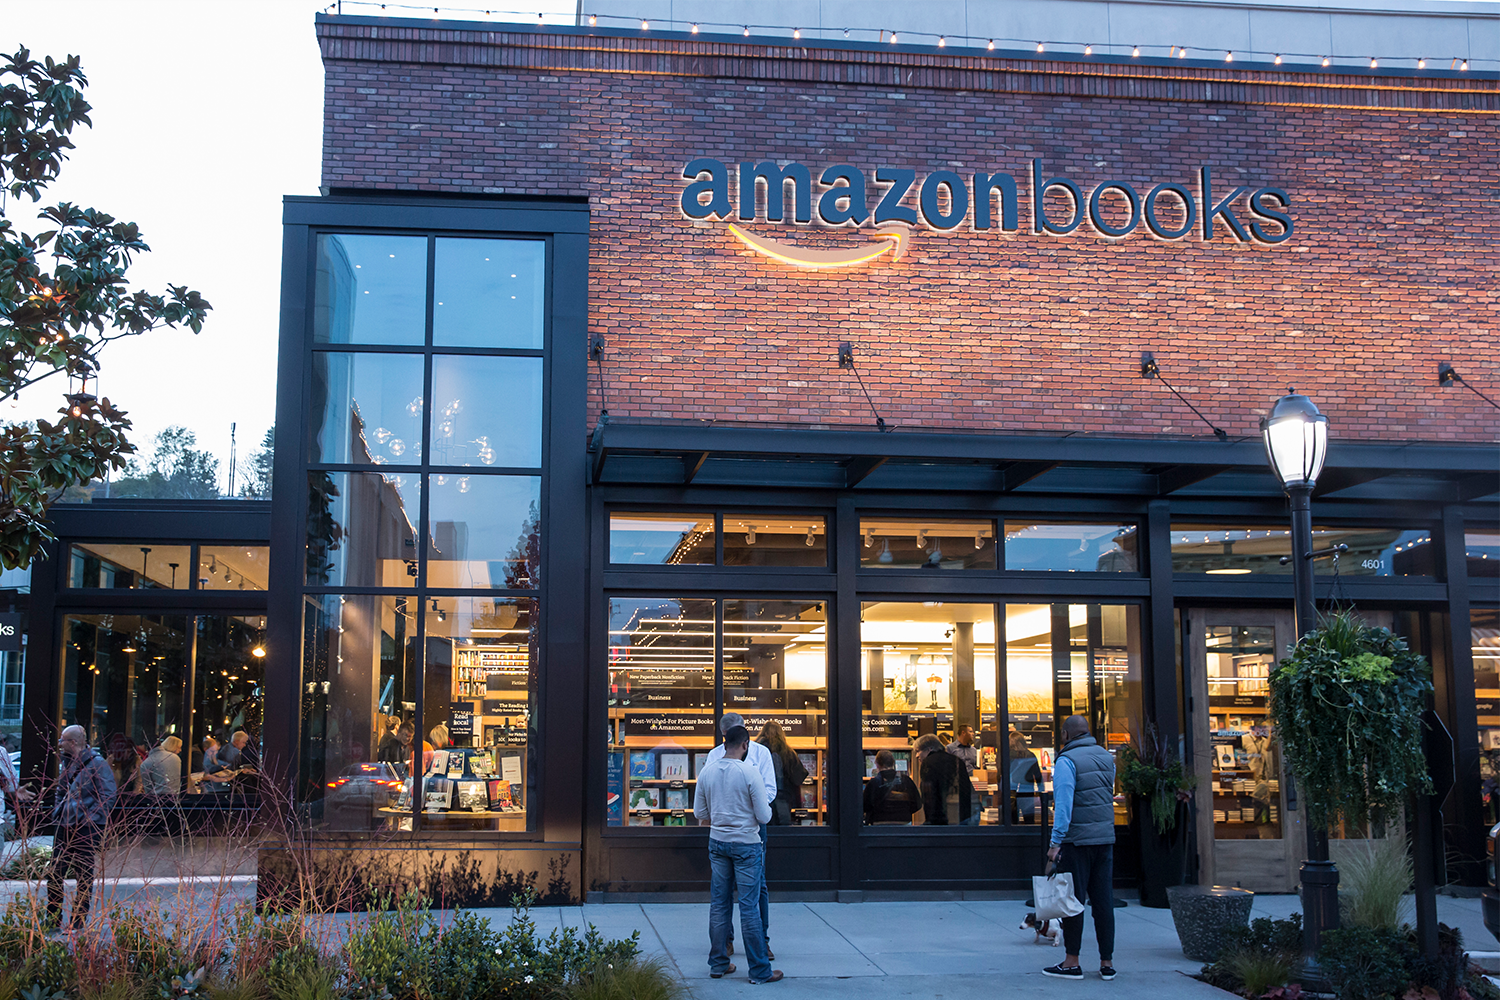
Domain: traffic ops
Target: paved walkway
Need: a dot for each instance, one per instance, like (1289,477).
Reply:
(948,950)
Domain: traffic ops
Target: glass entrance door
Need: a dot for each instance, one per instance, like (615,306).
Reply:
(1250,833)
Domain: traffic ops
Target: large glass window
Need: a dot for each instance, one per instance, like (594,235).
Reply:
(485,532)
(366,409)
(769,540)
(1482,552)
(228,686)
(926,544)
(1246,756)
(487,411)
(664,656)
(130,566)
(1484,641)
(662,539)
(233,567)
(359,670)
(369,290)
(1238,550)
(489,293)
(1072,548)
(478,705)
(124,680)
(361,529)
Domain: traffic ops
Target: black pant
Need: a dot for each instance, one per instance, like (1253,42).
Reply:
(75,851)
(1093,869)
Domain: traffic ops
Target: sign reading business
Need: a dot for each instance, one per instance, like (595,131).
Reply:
(1168,211)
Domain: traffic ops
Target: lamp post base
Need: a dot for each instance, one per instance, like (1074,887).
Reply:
(1320,913)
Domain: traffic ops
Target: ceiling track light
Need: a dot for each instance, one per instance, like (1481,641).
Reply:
(749,534)
(810,540)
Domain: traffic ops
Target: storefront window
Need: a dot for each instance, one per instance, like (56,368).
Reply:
(233,567)
(1246,769)
(1071,548)
(360,529)
(1484,642)
(359,670)
(228,685)
(485,532)
(928,695)
(1482,549)
(370,290)
(130,566)
(926,544)
(776,677)
(366,409)
(1239,550)
(766,540)
(662,539)
(489,293)
(478,704)
(661,718)
(486,411)
(124,678)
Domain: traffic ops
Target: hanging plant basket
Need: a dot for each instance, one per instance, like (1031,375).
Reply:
(1348,704)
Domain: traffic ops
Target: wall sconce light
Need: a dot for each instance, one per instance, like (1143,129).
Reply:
(1149,369)
(1447,375)
(258,651)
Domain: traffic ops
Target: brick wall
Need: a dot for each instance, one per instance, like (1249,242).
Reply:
(1391,269)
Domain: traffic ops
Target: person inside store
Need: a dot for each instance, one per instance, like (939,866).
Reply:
(759,758)
(161,771)
(964,749)
(398,750)
(1083,842)
(1025,779)
(790,773)
(945,783)
(388,750)
(124,761)
(890,797)
(86,793)
(732,799)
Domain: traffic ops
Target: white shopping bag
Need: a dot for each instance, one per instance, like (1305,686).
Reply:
(1054,897)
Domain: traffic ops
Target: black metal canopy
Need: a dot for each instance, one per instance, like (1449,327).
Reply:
(847,458)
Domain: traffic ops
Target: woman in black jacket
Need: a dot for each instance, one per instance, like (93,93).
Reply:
(790,773)
(890,796)
(943,777)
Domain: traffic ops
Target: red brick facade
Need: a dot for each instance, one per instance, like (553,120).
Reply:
(1392,267)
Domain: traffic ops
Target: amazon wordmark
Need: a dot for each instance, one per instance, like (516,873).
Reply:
(944,198)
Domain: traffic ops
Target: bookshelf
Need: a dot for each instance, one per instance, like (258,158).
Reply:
(1245,772)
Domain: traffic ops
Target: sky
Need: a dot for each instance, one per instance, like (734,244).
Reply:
(206,112)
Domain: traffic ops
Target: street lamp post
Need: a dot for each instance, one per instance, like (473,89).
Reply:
(1296,439)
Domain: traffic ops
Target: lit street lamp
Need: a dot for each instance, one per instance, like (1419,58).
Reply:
(1296,437)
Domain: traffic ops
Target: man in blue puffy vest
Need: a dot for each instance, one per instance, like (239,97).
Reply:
(1083,842)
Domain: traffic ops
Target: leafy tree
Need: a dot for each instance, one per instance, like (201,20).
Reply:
(63,296)
(176,470)
(257,484)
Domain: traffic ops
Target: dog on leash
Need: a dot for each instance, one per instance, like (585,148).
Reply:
(1048,929)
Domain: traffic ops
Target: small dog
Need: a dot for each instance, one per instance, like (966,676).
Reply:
(1048,929)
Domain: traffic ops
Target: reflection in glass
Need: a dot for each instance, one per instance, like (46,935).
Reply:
(660,708)
(487,411)
(489,293)
(359,670)
(485,532)
(480,687)
(775,540)
(360,529)
(1246,761)
(662,539)
(1482,549)
(928,678)
(776,676)
(124,679)
(370,290)
(233,567)
(1484,641)
(1239,550)
(1073,548)
(366,409)
(927,544)
(228,684)
(130,565)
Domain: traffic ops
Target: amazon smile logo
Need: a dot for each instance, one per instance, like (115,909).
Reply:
(1169,211)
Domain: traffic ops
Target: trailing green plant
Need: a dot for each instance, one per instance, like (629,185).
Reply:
(1363,963)
(1374,878)
(1263,937)
(1152,767)
(1349,703)
(633,979)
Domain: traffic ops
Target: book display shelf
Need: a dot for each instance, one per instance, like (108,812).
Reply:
(1246,767)
(899,731)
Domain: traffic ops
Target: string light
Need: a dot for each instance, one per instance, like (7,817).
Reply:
(1229,57)
(797,33)
(846,32)
(1373,63)
(1181,52)
(1325,62)
(1088,50)
(1039,46)
(747,31)
(942,42)
(1421,64)
(1464,65)
(695,29)
(1278,58)
(992,45)
(593,20)
(893,38)
(1135,51)
(645,25)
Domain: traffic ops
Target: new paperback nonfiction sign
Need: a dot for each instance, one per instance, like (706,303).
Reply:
(947,201)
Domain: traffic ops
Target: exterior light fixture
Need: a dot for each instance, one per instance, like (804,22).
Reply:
(942,42)
(797,33)
(747,31)
(695,29)
(893,38)
(1464,65)
(258,651)
(1373,63)
(1296,439)
(593,20)
(1135,51)
(1088,50)
(1039,46)
(1325,62)
(1229,57)
(991,46)
(1278,58)
(1181,52)
(127,649)
(645,25)
(1421,64)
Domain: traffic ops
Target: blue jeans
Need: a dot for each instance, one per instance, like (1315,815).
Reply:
(733,864)
(765,894)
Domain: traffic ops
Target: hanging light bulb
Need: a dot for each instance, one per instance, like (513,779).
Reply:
(1278,58)
(893,38)
(1464,65)
(1088,50)
(797,33)
(942,42)
(1325,62)
(1135,51)
(695,29)
(1039,46)
(1181,52)
(593,20)
(1373,63)
(1421,64)
(992,45)
(747,31)
(1229,57)
(645,25)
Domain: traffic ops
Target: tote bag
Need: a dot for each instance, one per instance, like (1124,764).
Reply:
(1054,897)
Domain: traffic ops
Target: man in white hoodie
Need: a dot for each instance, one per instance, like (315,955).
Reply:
(731,801)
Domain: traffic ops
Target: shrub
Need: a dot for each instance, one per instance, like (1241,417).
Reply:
(1259,972)
(29,865)
(1374,879)
(1263,936)
(1363,963)
(633,979)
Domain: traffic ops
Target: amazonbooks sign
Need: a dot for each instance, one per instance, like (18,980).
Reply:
(1167,211)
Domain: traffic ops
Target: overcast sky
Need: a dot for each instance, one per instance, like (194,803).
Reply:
(205,113)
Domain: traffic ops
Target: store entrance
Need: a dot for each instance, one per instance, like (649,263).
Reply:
(1250,833)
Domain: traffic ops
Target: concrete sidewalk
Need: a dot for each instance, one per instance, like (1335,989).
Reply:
(945,950)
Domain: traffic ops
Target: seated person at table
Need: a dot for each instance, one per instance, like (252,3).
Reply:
(890,796)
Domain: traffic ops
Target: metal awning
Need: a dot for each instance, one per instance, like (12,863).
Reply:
(867,460)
